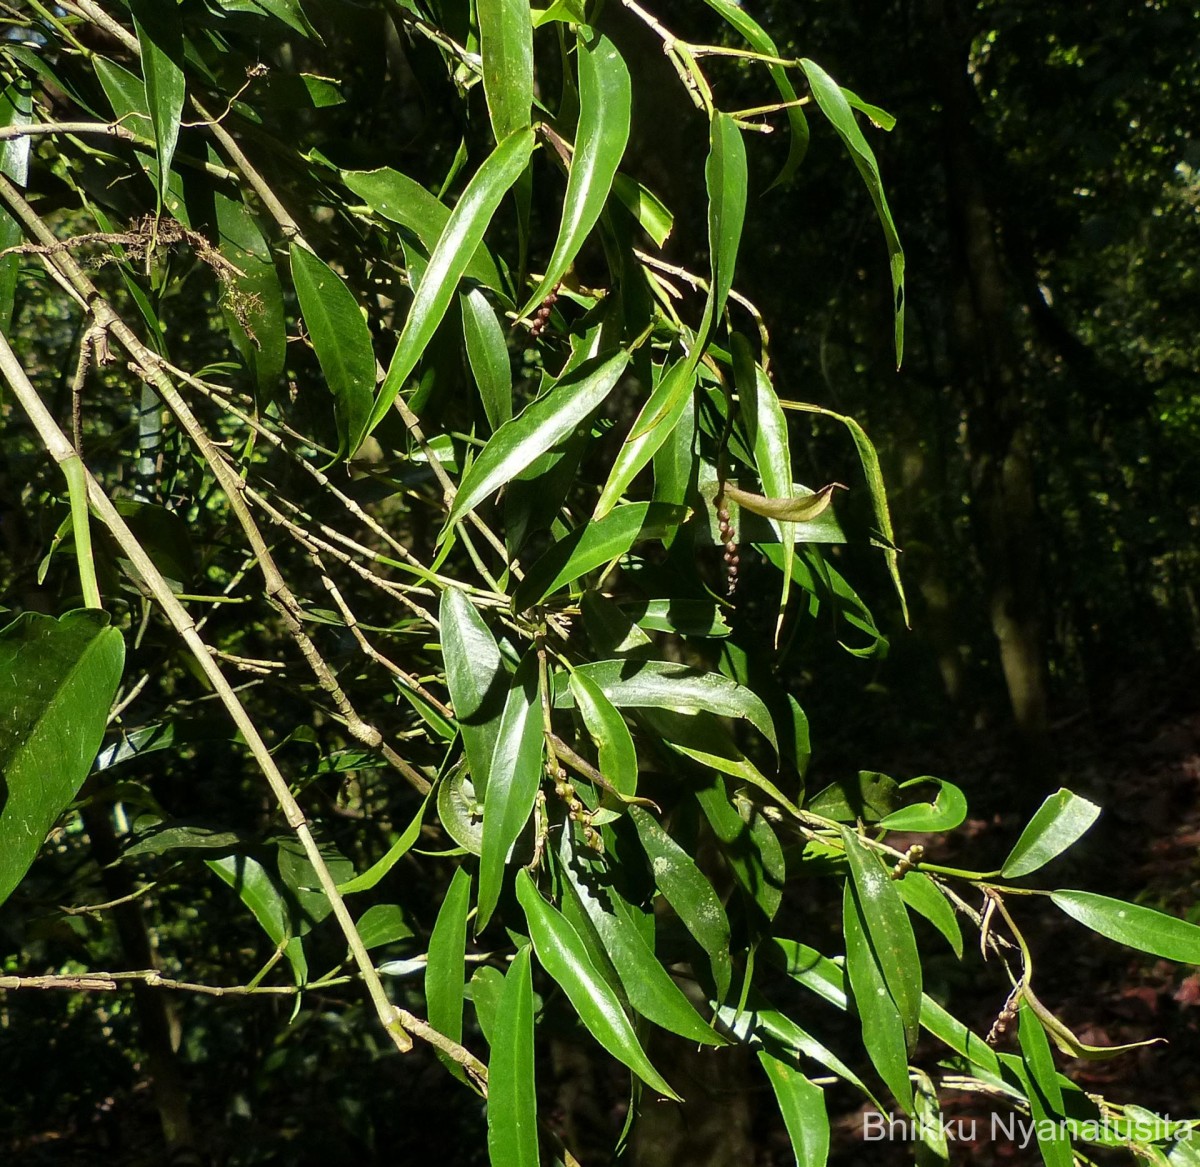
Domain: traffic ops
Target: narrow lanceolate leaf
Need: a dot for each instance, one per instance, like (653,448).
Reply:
(16,109)
(648,985)
(263,894)
(1142,928)
(646,207)
(512,1093)
(539,426)
(512,784)
(922,895)
(606,727)
(604,104)
(341,340)
(802,1104)
(160,38)
(506,46)
(833,104)
(662,685)
(882,1026)
(1035,1053)
(1053,1138)
(889,929)
(445,972)
(455,248)
(651,428)
(1058,823)
(767,431)
(57,681)
(750,846)
(1062,1036)
(476,680)
(725,177)
(593,545)
(798,124)
(685,887)
(394,854)
(562,954)
(487,352)
(403,200)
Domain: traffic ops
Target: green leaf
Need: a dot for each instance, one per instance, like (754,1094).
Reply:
(400,199)
(540,425)
(833,104)
(1142,928)
(1035,1053)
(594,544)
(487,353)
(614,743)
(889,929)
(953,1033)
(749,845)
(383,924)
(341,340)
(484,990)
(685,887)
(475,678)
(456,246)
(512,1092)
(798,124)
(1062,819)
(869,796)
(57,681)
(395,853)
(947,811)
(921,894)
(806,965)
(654,684)
(513,783)
(685,617)
(461,812)
(264,895)
(1054,1143)
(651,428)
(648,985)
(646,207)
(725,178)
(506,46)
(802,1104)
(160,36)
(288,12)
(883,1028)
(603,131)
(445,972)
(562,954)
(16,109)
(931,1126)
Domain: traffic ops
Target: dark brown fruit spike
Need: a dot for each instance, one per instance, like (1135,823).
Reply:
(542,316)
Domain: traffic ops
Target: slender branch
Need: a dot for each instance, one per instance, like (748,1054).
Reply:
(110,982)
(105,129)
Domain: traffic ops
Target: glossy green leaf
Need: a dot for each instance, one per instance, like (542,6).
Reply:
(806,965)
(484,990)
(802,1104)
(562,954)
(656,684)
(395,853)
(614,743)
(601,136)
(648,986)
(487,352)
(921,894)
(400,199)
(954,1034)
(947,811)
(934,1149)
(592,545)
(172,835)
(726,181)
(685,617)
(383,924)
(833,104)
(883,1028)
(513,782)
(880,118)
(889,929)
(288,12)
(537,428)
(651,428)
(461,811)
(685,887)
(749,845)
(1053,1140)
(1057,1030)
(263,894)
(868,795)
(512,1092)
(475,678)
(1062,819)
(737,16)
(646,207)
(57,681)
(254,311)
(16,109)
(1142,928)
(160,37)
(445,972)
(506,47)
(1035,1052)
(456,246)
(341,340)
